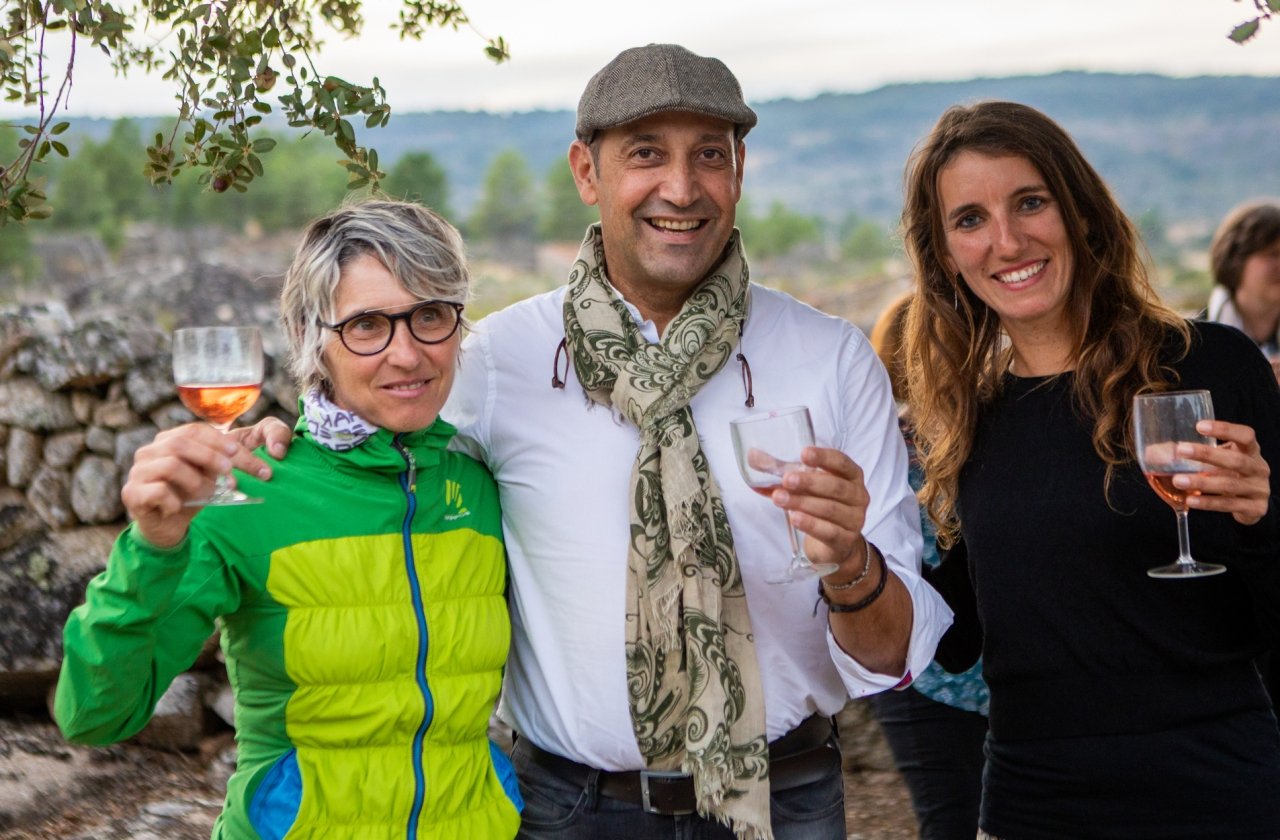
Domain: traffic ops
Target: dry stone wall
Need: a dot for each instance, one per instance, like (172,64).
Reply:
(78,397)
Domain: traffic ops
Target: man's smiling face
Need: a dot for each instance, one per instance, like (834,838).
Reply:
(667,187)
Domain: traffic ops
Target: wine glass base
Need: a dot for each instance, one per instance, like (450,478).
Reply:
(234,497)
(805,571)
(1193,569)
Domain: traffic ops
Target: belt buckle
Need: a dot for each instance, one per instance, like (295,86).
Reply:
(665,775)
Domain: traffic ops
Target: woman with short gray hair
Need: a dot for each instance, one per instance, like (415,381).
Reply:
(362,603)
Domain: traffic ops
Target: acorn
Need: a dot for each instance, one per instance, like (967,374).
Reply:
(265,81)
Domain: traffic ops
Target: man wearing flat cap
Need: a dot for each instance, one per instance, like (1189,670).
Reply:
(659,685)
(656,679)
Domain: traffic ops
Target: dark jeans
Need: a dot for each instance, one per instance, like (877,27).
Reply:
(938,751)
(555,809)
(1269,666)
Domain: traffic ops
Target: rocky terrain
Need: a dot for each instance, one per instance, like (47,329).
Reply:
(49,789)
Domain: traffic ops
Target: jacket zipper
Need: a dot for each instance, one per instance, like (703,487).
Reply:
(408,485)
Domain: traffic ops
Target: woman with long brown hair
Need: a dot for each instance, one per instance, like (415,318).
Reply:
(1121,705)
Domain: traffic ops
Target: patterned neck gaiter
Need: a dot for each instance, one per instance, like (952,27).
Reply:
(334,427)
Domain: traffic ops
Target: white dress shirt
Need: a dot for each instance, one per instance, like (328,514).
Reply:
(563,467)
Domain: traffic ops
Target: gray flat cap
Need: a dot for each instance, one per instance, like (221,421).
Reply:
(661,77)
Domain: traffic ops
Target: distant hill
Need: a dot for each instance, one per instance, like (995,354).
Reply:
(1185,149)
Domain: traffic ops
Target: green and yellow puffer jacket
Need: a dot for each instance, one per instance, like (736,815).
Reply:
(364,628)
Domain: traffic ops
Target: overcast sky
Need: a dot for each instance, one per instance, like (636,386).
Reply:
(793,49)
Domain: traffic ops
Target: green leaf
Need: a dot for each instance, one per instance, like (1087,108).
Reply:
(263,145)
(1244,31)
(59,148)
(59,128)
(1273,5)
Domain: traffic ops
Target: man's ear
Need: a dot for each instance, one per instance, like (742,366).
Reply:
(583,165)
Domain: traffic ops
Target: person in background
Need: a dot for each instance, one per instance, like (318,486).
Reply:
(361,605)
(1122,706)
(936,727)
(1245,261)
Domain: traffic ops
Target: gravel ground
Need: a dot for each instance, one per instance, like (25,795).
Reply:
(154,795)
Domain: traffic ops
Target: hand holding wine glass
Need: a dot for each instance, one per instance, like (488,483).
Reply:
(218,371)
(1160,423)
(768,446)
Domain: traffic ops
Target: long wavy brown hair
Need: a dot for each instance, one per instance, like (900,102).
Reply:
(956,351)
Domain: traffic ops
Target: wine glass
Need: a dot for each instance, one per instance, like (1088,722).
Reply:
(768,445)
(1160,423)
(218,371)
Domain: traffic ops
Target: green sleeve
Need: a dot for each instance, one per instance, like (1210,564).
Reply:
(143,622)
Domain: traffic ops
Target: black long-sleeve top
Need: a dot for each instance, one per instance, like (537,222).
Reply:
(1079,645)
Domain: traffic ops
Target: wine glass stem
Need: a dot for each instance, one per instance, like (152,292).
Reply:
(220,487)
(797,545)
(1184,539)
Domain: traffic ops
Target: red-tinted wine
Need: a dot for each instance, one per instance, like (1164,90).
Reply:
(1162,483)
(219,404)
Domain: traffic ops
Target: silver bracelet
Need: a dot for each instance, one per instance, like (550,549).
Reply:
(866,570)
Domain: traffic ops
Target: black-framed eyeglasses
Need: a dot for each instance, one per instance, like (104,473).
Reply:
(369,333)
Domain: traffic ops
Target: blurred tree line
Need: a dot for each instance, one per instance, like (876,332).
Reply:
(96,190)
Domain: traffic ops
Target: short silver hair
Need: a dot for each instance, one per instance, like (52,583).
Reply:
(421,250)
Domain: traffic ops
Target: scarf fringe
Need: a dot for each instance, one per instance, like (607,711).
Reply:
(710,784)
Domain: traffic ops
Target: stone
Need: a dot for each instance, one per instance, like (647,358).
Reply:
(42,578)
(171,415)
(100,440)
(115,413)
(41,773)
(62,449)
(21,324)
(95,352)
(50,496)
(83,404)
(221,700)
(130,441)
(17,520)
(22,457)
(26,405)
(178,721)
(95,491)
(150,384)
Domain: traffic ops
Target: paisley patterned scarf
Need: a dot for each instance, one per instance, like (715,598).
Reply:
(693,680)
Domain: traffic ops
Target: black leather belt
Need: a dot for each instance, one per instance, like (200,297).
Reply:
(802,756)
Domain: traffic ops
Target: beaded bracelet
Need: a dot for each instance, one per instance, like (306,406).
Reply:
(866,570)
(865,602)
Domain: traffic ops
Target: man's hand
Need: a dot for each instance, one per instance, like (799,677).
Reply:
(270,432)
(828,503)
